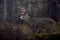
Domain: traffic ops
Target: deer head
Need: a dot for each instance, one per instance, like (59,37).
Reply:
(24,16)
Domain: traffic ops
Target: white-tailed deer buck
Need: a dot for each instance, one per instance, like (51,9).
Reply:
(36,23)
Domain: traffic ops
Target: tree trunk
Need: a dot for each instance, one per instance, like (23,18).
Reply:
(5,10)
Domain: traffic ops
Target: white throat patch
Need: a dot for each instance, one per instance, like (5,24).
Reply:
(22,17)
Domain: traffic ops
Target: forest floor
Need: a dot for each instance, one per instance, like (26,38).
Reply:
(14,28)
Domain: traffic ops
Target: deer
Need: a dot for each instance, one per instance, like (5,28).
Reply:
(35,23)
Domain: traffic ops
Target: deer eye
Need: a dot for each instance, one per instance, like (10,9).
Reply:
(24,14)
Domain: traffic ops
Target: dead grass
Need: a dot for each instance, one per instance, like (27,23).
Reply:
(23,27)
(25,30)
(13,31)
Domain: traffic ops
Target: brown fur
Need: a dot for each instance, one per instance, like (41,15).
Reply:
(36,23)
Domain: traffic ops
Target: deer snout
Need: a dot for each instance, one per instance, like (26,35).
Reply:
(20,19)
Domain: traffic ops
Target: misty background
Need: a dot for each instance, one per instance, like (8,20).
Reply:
(10,9)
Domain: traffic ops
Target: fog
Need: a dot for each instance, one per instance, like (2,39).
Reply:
(35,8)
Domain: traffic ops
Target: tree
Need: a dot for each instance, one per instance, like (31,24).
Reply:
(5,10)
